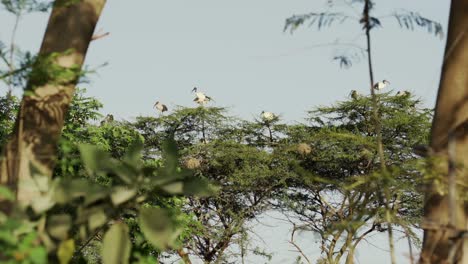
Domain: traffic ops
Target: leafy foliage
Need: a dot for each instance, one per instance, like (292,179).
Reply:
(411,20)
(18,7)
(323,19)
(347,54)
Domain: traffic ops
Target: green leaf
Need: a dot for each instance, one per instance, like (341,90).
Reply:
(6,193)
(157,227)
(121,195)
(199,187)
(65,251)
(68,190)
(97,219)
(116,245)
(125,172)
(170,155)
(95,159)
(58,226)
(173,188)
(133,154)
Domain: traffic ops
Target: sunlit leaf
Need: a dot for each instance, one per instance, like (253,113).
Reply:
(116,245)
(65,251)
(97,219)
(122,194)
(173,188)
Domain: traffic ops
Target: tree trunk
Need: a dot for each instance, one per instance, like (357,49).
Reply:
(441,224)
(48,95)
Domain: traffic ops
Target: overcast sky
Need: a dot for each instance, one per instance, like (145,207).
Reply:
(237,52)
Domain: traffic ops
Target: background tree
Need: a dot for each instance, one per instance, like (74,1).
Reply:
(338,189)
(225,151)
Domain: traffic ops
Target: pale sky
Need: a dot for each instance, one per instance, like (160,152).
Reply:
(237,52)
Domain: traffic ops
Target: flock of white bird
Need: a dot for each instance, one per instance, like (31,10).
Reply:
(378,86)
(201,99)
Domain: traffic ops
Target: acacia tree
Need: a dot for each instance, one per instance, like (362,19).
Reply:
(446,214)
(337,192)
(235,155)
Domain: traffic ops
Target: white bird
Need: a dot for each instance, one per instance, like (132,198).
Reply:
(402,93)
(354,94)
(200,98)
(381,85)
(108,119)
(160,107)
(267,116)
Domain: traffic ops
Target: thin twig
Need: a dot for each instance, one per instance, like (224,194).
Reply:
(12,51)
(291,241)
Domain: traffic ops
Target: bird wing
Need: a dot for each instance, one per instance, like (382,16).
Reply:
(164,108)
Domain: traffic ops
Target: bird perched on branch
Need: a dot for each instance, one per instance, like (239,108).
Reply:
(160,107)
(267,116)
(402,93)
(354,94)
(200,98)
(107,120)
(381,85)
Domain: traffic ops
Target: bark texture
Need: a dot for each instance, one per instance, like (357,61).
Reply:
(451,118)
(32,147)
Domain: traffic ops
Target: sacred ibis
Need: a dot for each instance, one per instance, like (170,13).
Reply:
(160,107)
(201,98)
(381,85)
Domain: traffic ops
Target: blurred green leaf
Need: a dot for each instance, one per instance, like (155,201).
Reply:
(126,172)
(116,245)
(121,194)
(6,193)
(174,188)
(68,190)
(59,225)
(157,227)
(170,155)
(199,187)
(65,251)
(97,219)
(133,154)
(95,159)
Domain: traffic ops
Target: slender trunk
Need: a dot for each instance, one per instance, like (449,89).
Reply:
(203,130)
(32,147)
(378,127)
(450,121)
(270,134)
